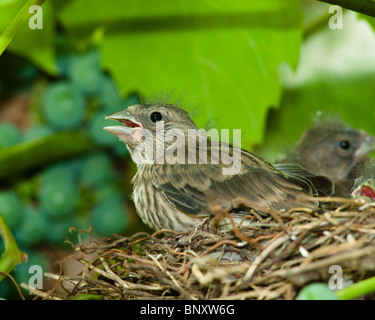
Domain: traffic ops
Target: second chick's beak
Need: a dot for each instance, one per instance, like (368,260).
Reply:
(367,146)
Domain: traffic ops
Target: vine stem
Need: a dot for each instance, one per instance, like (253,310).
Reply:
(357,290)
(17,23)
(42,152)
(12,255)
(366,7)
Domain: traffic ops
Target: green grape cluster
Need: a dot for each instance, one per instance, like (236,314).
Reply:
(81,192)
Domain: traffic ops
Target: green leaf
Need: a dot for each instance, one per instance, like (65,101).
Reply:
(316,291)
(334,80)
(370,20)
(350,102)
(220,56)
(37,45)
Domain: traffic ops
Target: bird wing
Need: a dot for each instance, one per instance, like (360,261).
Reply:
(195,188)
(318,184)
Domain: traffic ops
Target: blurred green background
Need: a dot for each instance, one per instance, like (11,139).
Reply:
(271,68)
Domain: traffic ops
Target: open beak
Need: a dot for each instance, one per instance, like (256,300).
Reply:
(128,123)
(365,189)
(367,146)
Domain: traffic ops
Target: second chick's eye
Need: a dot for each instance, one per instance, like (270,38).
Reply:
(156,116)
(345,144)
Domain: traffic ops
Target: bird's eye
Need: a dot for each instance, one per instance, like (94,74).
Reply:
(156,116)
(345,144)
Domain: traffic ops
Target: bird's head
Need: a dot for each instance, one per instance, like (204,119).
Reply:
(335,148)
(146,124)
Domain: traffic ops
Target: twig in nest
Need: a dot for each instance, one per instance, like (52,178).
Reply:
(220,213)
(270,247)
(167,273)
(38,292)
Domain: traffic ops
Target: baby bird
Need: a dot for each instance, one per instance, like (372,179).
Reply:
(335,150)
(175,188)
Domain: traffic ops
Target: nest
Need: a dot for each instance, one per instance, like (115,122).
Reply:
(269,257)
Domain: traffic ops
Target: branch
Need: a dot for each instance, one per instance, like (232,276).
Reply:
(35,154)
(366,7)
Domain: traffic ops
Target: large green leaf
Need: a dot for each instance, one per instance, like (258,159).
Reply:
(335,80)
(351,102)
(37,45)
(221,56)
